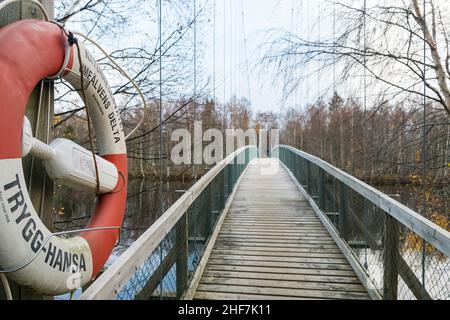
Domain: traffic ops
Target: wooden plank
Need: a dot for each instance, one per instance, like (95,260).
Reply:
(298,241)
(282,292)
(275,225)
(287,284)
(277,220)
(271,227)
(264,269)
(200,295)
(275,233)
(276,264)
(281,250)
(283,237)
(270,220)
(268,232)
(242,228)
(281,254)
(275,245)
(282,276)
(231,256)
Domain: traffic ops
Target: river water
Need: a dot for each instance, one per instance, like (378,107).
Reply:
(142,210)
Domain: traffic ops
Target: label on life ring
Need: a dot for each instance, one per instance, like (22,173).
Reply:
(20,224)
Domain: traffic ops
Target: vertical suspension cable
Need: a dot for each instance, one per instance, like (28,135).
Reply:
(319,105)
(365,83)
(224,66)
(300,99)
(335,44)
(231,53)
(194,174)
(247,69)
(241,49)
(319,16)
(214,62)
(237,74)
(194,101)
(291,74)
(365,111)
(308,26)
(424,146)
(161,202)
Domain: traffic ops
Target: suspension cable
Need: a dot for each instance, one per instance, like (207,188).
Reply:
(224,65)
(231,55)
(214,63)
(196,211)
(335,45)
(161,202)
(319,22)
(126,75)
(194,101)
(424,146)
(246,56)
(364,135)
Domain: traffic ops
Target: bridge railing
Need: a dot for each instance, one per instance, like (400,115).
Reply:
(396,252)
(161,263)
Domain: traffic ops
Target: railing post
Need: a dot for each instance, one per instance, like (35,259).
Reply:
(222,191)
(322,190)
(227,179)
(391,258)
(208,212)
(343,221)
(308,178)
(182,254)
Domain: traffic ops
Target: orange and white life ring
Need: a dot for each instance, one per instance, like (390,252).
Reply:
(31,50)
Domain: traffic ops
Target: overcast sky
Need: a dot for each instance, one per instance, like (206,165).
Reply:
(259,17)
(309,19)
(262,19)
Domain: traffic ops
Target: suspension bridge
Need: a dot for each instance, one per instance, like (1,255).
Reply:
(287,227)
(284,225)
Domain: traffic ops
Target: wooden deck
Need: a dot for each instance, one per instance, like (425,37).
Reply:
(272,245)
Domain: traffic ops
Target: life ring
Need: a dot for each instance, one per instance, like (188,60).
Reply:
(31,50)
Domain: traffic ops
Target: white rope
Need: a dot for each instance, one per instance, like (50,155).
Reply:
(38,4)
(6,286)
(125,74)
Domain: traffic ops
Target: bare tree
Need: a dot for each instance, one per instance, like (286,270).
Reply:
(387,39)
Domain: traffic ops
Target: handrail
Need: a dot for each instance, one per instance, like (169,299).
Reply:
(430,232)
(109,284)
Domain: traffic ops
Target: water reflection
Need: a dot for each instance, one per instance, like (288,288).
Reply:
(74,208)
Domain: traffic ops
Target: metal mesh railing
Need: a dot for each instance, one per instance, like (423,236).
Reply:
(167,270)
(400,263)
